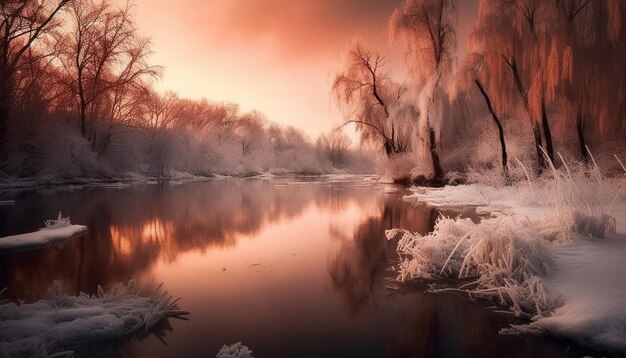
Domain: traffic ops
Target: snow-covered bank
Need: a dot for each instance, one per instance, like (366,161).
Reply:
(55,231)
(554,251)
(61,324)
(503,258)
(590,278)
(121,182)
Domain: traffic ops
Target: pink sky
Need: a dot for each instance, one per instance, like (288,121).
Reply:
(275,56)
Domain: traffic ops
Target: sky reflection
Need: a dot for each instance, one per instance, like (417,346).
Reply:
(290,269)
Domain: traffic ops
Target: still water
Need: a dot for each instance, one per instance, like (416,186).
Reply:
(291,267)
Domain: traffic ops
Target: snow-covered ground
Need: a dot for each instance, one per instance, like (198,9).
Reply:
(41,238)
(61,324)
(572,282)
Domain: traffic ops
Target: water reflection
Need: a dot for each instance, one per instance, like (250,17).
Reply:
(130,229)
(364,258)
(291,270)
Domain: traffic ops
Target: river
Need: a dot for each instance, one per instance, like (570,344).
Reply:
(291,267)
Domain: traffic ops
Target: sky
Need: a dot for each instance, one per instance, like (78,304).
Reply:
(275,56)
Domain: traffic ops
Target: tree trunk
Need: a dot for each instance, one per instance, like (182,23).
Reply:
(580,129)
(393,139)
(536,129)
(538,144)
(546,131)
(5,110)
(434,156)
(83,130)
(498,125)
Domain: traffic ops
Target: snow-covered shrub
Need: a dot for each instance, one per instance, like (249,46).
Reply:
(236,350)
(407,167)
(581,199)
(63,323)
(504,258)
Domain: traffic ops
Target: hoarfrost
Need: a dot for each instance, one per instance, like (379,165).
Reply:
(236,350)
(62,323)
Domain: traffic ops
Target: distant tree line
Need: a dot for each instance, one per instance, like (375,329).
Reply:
(77,98)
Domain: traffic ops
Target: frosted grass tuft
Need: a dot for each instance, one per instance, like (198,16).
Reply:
(59,222)
(61,324)
(502,257)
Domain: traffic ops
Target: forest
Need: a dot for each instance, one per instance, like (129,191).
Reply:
(78,100)
(78,97)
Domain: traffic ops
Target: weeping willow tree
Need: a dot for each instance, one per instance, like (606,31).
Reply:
(470,75)
(562,58)
(509,33)
(586,72)
(426,29)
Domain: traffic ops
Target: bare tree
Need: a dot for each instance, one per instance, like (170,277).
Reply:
(104,58)
(366,93)
(334,145)
(21,24)
(161,117)
(250,132)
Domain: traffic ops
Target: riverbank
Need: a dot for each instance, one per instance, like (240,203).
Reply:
(552,250)
(122,181)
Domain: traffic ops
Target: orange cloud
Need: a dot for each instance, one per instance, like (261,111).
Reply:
(276,56)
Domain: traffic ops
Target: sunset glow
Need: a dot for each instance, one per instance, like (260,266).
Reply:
(278,57)
(312,178)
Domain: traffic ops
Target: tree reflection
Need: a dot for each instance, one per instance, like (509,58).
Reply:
(132,228)
(363,259)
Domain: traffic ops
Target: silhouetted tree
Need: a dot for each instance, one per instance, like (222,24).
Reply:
(21,23)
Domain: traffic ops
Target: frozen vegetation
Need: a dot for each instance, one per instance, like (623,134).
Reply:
(549,248)
(236,350)
(61,324)
(56,231)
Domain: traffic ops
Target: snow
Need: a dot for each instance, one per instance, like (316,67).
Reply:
(117,185)
(55,231)
(591,280)
(391,190)
(43,237)
(579,225)
(236,350)
(62,323)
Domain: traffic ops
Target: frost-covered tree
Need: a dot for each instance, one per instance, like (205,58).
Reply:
(334,145)
(367,95)
(161,115)
(250,132)
(426,28)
